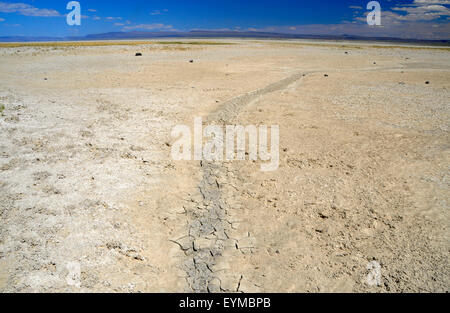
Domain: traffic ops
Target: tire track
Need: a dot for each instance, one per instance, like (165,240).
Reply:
(210,223)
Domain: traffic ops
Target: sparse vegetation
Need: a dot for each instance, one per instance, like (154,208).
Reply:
(108,43)
(179,44)
(2,108)
(208,43)
(409,47)
(354,46)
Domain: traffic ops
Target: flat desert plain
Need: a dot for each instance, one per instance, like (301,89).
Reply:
(91,199)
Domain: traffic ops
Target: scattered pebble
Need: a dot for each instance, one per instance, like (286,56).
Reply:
(138,54)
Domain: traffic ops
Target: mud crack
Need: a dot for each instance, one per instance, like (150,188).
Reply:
(210,223)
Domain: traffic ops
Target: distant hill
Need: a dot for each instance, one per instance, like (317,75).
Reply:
(216,34)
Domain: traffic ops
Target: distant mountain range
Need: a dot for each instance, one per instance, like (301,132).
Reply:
(215,34)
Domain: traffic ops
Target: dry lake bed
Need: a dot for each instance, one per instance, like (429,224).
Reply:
(91,199)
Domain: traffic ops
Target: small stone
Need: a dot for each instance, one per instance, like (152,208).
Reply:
(322,229)
(138,54)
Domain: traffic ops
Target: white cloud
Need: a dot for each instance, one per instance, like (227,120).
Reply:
(424,12)
(420,20)
(27,10)
(420,10)
(159,12)
(424,19)
(92,10)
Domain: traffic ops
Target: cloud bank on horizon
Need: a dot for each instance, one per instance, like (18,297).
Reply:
(409,19)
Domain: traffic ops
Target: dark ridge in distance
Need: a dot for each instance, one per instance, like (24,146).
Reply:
(219,34)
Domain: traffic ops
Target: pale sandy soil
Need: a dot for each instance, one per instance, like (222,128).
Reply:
(86,174)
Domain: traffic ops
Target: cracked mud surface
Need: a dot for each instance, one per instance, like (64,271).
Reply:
(86,174)
(210,228)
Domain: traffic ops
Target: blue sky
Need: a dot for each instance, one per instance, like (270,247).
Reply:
(425,19)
